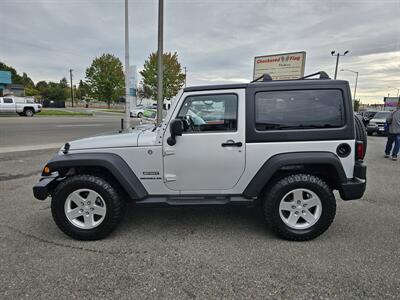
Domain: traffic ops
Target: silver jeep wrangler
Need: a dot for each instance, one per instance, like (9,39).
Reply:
(280,146)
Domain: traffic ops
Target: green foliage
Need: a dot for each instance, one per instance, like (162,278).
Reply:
(64,83)
(105,78)
(173,77)
(143,92)
(356,105)
(54,91)
(16,78)
(82,91)
(41,85)
(31,91)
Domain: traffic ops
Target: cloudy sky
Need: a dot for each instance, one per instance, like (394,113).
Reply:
(216,40)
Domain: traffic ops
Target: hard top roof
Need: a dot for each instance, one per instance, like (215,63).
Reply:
(300,82)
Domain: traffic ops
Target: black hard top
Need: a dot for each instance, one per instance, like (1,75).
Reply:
(283,83)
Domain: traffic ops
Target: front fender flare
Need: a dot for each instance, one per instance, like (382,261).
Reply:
(111,162)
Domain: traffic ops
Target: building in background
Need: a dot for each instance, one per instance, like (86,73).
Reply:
(5,79)
(391,103)
(17,90)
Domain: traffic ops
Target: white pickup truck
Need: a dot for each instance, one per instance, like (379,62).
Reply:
(21,106)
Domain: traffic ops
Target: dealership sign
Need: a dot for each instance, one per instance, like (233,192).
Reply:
(280,66)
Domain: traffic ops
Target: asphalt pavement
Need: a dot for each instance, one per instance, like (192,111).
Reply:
(199,252)
(21,133)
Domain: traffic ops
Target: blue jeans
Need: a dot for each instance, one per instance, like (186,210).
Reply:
(393,138)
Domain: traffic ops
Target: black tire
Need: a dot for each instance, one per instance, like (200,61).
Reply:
(139,115)
(361,132)
(277,191)
(28,112)
(370,133)
(115,206)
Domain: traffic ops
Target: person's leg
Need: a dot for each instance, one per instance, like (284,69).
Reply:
(389,144)
(396,147)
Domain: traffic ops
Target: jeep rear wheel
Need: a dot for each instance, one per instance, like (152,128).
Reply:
(299,207)
(86,207)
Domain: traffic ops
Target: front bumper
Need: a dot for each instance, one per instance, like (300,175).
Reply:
(377,129)
(42,189)
(354,188)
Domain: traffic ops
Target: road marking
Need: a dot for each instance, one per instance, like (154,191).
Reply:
(80,125)
(30,148)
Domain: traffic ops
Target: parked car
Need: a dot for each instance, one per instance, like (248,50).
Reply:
(250,144)
(139,110)
(23,108)
(377,123)
(367,116)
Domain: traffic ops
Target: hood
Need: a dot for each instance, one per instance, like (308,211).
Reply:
(378,120)
(141,136)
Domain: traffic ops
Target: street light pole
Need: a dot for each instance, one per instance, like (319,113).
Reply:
(355,86)
(72,91)
(337,64)
(160,96)
(127,98)
(333,53)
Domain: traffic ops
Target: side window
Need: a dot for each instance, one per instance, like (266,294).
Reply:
(302,109)
(209,113)
(7,100)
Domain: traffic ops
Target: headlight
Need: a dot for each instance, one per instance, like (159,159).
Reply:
(372,124)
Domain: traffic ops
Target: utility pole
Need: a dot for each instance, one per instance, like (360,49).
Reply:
(72,91)
(185,74)
(355,86)
(127,96)
(160,69)
(333,53)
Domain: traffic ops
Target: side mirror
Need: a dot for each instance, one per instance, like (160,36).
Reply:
(176,130)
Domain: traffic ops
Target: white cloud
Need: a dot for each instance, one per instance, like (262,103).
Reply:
(216,40)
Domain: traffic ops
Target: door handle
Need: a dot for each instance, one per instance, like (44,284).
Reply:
(231,143)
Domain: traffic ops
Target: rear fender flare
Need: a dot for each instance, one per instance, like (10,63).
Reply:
(277,162)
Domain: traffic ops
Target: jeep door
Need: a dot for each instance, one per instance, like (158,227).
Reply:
(210,154)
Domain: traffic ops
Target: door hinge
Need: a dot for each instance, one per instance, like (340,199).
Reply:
(169,151)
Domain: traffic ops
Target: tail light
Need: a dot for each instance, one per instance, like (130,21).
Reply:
(359,150)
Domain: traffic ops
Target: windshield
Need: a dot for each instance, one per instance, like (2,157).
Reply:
(382,115)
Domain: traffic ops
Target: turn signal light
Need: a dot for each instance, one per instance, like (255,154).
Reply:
(46,170)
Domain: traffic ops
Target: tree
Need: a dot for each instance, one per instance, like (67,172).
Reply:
(16,78)
(173,78)
(81,92)
(64,83)
(41,85)
(53,91)
(105,78)
(143,92)
(356,105)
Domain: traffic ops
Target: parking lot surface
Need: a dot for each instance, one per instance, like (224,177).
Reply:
(199,252)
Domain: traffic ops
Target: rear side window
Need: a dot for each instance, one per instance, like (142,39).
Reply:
(7,100)
(299,109)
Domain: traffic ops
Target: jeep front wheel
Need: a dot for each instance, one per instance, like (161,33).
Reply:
(86,207)
(299,207)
